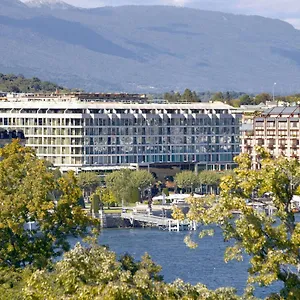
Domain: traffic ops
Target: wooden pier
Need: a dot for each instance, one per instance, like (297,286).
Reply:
(160,222)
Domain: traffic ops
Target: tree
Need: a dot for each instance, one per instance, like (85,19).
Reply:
(95,273)
(187,96)
(141,180)
(124,183)
(34,221)
(246,100)
(271,241)
(227,96)
(211,179)
(186,180)
(88,182)
(195,97)
(119,183)
(166,191)
(218,97)
(262,98)
(235,102)
(95,203)
(13,83)
(172,97)
(177,213)
(106,196)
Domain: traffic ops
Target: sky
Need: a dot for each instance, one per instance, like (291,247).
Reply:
(287,10)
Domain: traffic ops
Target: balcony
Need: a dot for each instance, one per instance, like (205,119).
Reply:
(295,144)
(260,142)
(282,146)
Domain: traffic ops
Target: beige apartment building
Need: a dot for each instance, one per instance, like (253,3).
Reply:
(276,129)
(98,132)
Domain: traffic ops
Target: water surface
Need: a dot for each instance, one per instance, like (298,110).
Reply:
(204,264)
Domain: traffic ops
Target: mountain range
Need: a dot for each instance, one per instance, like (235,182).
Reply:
(147,48)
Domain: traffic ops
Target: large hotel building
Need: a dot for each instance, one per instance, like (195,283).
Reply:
(276,129)
(110,131)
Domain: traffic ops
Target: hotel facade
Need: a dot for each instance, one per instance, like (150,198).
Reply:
(77,132)
(276,129)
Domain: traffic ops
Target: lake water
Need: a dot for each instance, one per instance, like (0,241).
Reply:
(204,264)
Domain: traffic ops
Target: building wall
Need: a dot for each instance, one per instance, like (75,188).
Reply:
(7,135)
(73,134)
(277,130)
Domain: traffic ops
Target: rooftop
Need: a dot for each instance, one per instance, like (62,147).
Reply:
(280,111)
(110,105)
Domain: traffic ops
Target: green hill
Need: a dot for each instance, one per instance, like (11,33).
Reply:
(20,84)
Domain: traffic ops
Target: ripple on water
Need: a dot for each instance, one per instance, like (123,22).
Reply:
(204,264)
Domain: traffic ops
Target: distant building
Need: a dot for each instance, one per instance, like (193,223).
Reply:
(80,97)
(3,96)
(276,129)
(75,132)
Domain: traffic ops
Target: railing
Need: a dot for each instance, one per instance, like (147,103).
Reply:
(161,222)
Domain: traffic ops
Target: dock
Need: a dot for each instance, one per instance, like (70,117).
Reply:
(160,222)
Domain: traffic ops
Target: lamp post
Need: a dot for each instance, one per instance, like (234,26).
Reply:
(274,92)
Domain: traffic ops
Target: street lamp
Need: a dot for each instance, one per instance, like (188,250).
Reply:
(274,91)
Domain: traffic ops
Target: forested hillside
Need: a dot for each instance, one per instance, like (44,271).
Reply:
(148,48)
(20,84)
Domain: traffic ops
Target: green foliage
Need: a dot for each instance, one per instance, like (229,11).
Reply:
(141,179)
(12,281)
(81,202)
(246,100)
(27,193)
(119,184)
(236,99)
(271,241)
(187,96)
(27,270)
(234,102)
(96,203)
(172,97)
(19,84)
(177,213)
(123,183)
(218,97)
(262,98)
(187,180)
(166,191)
(88,182)
(135,195)
(211,179)
(106,196)
(95,273)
